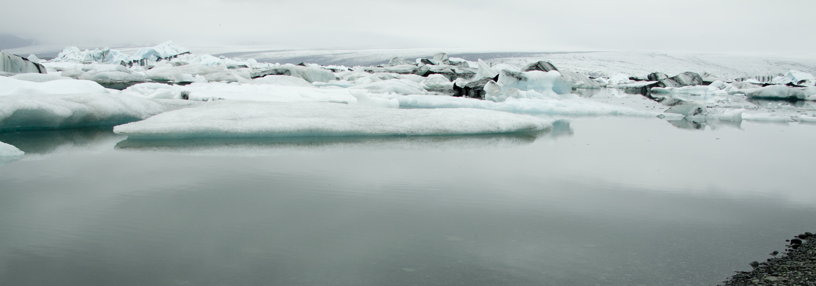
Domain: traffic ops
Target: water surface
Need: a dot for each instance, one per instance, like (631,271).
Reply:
(602,201)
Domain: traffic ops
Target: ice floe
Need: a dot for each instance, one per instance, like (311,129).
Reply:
(28,105)
(263,120)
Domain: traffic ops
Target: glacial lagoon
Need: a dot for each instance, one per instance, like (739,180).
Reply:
(595,201)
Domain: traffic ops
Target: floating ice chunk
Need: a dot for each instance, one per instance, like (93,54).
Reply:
(282,80)
(796,77)
(105,56)
(15,64)
(184,74)
(246,92)
(12,86)
(687,109)
(309,73)
(437,83)
(107,77)
(532,84)
(696,94)
(39,77)
(769,117)
(569,105)
(485,71)
(161,51)
(783,92)
(7,150)
(156,91)
(578,80)
(397,86)
(68,103)
(271,120)
(616,80)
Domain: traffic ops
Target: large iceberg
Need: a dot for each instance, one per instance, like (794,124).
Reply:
(276,120)
(15,64)
(26,105)
(164,50)
(783,92)
(161,51)
(103,56)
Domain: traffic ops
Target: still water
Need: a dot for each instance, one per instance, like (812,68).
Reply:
(601,201)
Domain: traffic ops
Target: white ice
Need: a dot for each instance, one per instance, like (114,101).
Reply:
(14,64)
(566,105)
(160,51)
(256,91)
(69,103)
(783,92)
(796,77)
(532,84)
(271,120)
(7,150)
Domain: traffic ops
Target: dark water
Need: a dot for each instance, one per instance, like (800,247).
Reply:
(604,201)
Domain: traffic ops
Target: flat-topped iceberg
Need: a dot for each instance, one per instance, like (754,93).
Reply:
(242,92)
(26,105)
(567,104)
(275,120)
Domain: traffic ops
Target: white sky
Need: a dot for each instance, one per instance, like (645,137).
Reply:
(752,26)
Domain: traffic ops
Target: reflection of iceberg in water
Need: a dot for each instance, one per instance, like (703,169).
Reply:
(308,143)
(51,141)
(691,124)
(560,128)
(48,141)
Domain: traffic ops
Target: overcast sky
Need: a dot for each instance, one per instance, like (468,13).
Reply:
(757,26)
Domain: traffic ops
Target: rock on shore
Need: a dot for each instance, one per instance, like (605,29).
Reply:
(797,266)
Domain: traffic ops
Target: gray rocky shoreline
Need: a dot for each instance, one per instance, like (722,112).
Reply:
(797,266)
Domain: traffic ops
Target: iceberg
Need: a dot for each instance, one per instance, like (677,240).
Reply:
(242,92)
(103,56)
(16,64)
(532,84)
(696,94)
(57,104)
(564,105)
(38,77)
(7,150)
(282,80)
(795,77)
(782,92)
(309,73)
(163,51)
(280,120)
